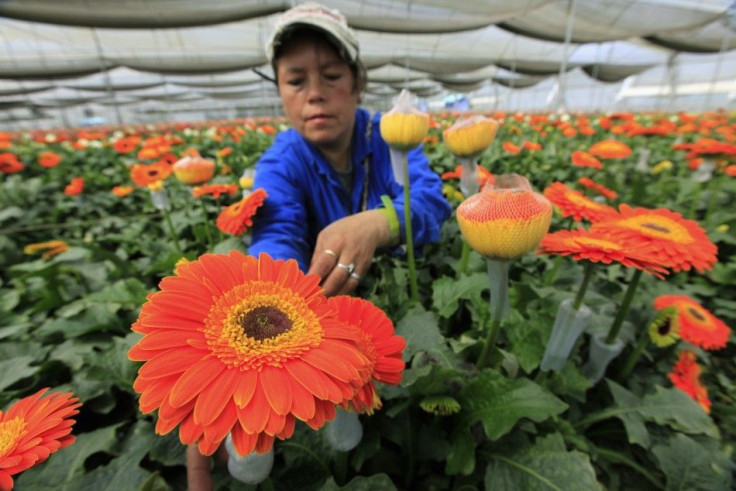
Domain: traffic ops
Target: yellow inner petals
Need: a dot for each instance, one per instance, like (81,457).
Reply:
(11,432)
(659,227)
(590,241)
(227,338)
(696,316)
(583,201)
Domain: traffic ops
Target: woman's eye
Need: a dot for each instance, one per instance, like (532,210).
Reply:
(295,81)
(333,76)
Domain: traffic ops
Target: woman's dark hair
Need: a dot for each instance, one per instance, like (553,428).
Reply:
(360,76)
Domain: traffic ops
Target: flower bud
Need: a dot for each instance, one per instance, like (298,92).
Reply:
(404,127)
(194,170)
(471,136)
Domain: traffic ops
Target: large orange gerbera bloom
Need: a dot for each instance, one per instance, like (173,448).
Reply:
(576,204)
(685,376)
(696,324)
(32,429)
(610,149)
(580,158)
(589,245)
(49,159)
(379,344)
(145,174)
(679,243)
(598,188)
(236,218)
(235,344)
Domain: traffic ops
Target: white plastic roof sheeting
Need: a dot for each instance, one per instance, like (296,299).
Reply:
(135,60)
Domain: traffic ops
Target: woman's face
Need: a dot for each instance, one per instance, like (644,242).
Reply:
(318,92)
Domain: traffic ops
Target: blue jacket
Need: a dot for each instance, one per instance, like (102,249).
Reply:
(305,194)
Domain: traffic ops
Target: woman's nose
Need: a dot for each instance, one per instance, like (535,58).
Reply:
(315,89)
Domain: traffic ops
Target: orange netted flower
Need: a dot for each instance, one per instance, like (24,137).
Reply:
(145,174)
(575,204)
(696,324)
(685,375)
(32,429)
(215,190)
(680,244)
(75,187)
(194,170)
(377,342)
(236,218)
(9,163)
(598,188)
(591,246)
(580,158)
(126,144)
(235,344)
(505,220)
(50,248)
(511,148)
(49,159)
(610,149)
(121,191)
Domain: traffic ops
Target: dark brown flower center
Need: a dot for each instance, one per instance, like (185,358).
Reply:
(654,226)
(265,323)
(152,173)
(664,328)
(697,314)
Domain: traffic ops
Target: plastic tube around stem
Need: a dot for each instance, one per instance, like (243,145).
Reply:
(498,274)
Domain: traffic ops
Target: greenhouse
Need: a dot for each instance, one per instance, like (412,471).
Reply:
(367,244)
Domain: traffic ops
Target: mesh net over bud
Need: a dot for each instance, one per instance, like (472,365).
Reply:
(505,220)
(404,127)
(470,137)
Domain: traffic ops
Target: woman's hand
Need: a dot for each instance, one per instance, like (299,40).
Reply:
(345,250)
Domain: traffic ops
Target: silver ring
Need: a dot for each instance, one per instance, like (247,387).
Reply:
(330,252)
(349,268)
(355,276)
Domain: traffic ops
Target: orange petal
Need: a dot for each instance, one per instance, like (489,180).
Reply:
(197,377)
(189,430)
(254,416)
(276,386)
(243,442)
(329,364)
(246,386)
(215,397)
(308,377)
(218,430)
(170,362)
(302,401)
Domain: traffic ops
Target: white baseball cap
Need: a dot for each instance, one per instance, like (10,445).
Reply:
(315,15)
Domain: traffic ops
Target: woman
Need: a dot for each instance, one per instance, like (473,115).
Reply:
(332,198)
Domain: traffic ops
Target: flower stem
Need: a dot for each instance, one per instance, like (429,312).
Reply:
(713,199)
(583,286)
(634,356)
(619,320)
(549,278)
(172,232)
(206,223)
(696,200)
(409,234)
(498,272)
(464,257)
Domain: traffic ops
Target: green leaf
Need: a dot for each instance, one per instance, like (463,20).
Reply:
(16,369)
(689,465)
(499,403)
(421,332)
(62,471)
(360,483)
(113,365)
(544,466)
(129,291)
(461,457)
(168,450)
(230,244)
(526,342)
(97,317)
(447,292)
(636,430)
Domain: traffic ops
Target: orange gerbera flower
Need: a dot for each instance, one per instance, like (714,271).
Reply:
(9,163)
(596,248)
(235,344)
(121,191)
(696,325)
(215,190)
(168,159)
(482,175)
(126,144)
(730,170)
(377,342)
(580,158)
(610,149)
(145,174)
(685,376)
(75,187)
(531,146)
(576,204)
(511,148)
(32,429)
(236,218)
(679,243)
(51,248)
(599,188)
(49,159)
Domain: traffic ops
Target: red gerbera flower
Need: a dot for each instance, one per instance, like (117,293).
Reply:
(696,324)
(685,376)
(49,159)
(580,158)
(610,149)
(126,144)
(236,218)
(679,243)
(32,429)
(121,191)
(482,175)
(599,188)
(215,190)
(377,342)
(235,344)
(75,187)
(145,174)
(511,148)
(9,163)
(576,204)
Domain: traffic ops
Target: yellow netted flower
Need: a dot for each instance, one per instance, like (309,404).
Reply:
(505,220)
(49,248)
(471,136)
(662,166)
(404,127)
(194,170)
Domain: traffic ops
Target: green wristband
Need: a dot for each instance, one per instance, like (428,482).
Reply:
(392,217)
